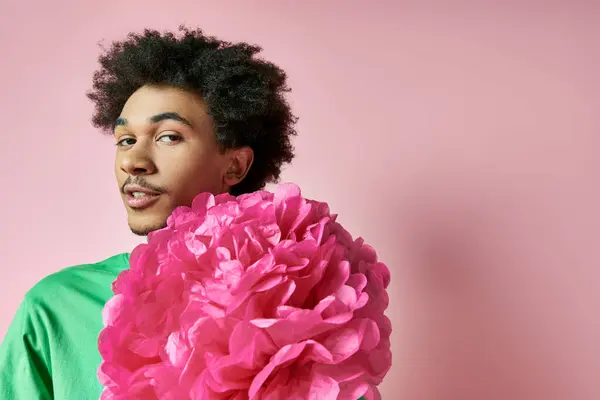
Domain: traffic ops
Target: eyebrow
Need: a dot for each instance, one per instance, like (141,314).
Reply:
(158,118)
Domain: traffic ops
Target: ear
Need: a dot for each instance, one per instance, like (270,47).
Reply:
(240,161)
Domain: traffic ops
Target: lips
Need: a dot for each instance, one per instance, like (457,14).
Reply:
(138,197)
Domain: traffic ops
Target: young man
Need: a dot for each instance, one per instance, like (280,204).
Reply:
(189,114)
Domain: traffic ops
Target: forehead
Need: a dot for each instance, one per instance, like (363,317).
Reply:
(151,100)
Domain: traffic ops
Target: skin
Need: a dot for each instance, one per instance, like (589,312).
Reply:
(166,143)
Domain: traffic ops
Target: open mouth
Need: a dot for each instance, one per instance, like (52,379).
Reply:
(139,200)
(138,195)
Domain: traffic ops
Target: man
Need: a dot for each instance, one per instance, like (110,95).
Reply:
(189,114)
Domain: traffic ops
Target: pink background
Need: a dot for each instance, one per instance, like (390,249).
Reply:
(460,140)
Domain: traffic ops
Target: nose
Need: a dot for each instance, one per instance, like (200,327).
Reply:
(137,160)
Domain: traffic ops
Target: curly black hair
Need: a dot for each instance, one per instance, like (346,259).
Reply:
(245,95)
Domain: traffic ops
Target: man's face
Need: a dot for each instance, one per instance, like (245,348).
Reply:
(167,153)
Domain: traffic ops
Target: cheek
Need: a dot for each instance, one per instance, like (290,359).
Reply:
(185,180)
(119,173)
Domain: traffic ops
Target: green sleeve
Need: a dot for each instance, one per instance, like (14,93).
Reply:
(24,357)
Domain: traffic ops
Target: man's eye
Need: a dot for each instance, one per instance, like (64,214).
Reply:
(170,138)
(125,142)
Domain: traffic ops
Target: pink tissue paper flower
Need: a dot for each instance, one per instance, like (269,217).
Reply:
(260,296)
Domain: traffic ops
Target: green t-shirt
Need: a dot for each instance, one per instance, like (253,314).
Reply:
(51,348)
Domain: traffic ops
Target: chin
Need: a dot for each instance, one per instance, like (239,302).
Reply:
(143,228)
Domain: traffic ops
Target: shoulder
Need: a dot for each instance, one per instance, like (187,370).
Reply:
(75,277)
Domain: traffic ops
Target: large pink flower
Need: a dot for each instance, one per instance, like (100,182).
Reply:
(263,296)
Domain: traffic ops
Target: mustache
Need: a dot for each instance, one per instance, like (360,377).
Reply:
(140,181)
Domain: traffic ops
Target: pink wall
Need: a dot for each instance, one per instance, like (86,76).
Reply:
(461,141)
